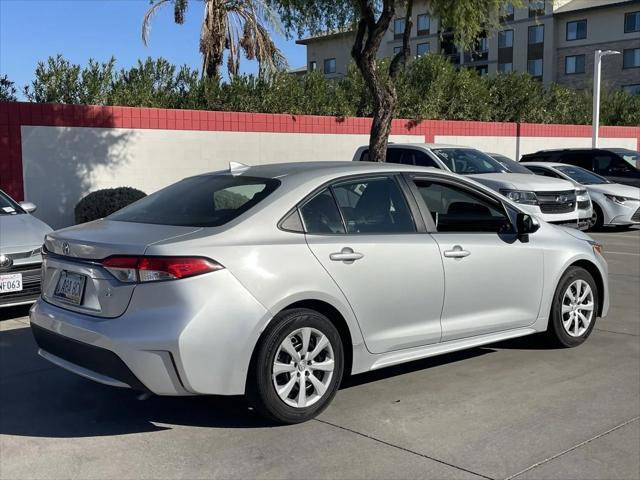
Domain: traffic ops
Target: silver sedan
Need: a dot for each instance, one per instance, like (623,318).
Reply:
(275,281)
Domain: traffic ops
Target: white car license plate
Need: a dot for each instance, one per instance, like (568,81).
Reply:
(70,287)
(10,283)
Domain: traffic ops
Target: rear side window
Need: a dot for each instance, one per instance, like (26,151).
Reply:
(578,159)
(203,201)
(321,214)
(405,156)
(374,206)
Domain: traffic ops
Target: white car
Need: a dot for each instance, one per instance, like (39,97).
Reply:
(276,280)
(585,207)
(551,200)
(613,203)
(21,239)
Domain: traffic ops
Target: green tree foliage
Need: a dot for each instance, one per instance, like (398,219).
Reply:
(429,88)
(7,90)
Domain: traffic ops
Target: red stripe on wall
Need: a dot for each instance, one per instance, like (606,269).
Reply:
(14,115)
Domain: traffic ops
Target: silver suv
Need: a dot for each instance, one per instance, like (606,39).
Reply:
(550,200)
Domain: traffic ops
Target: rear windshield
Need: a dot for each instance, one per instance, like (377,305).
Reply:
(204,201)
(467,161)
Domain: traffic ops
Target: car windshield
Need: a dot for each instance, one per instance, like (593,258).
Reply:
(511,165)
(8,206)
(467,161)
(580,175)
(203,201)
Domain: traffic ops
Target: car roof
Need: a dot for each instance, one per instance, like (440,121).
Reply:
(574,149)
(547,164)
(428,145)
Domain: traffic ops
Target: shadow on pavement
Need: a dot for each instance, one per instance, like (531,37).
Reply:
(41,400)
(9,313)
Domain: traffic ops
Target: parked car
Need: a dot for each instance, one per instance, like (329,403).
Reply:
(550,201)
(21,238)
(613,203)
(585,208)
(316,270)
(604,162)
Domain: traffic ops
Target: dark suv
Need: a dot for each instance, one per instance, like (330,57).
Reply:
(607,163)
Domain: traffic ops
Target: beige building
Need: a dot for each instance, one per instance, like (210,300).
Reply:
(552,40)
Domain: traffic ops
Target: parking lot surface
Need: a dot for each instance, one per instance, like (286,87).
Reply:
(516,409)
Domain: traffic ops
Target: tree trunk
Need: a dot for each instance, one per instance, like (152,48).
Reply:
(381,85)
(213,37)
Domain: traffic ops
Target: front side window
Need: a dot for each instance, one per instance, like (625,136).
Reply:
(536,34)
(398,27)
(455,209)
(330,65)
(505,39)
(534,67)
(580,175)
(632,22)
(8,206)
(374,205)
(574,64)
(631,58)
(424,24)
(321,215)
(466,161)
(203,201)
(422,49)
(611,165)
(576,30)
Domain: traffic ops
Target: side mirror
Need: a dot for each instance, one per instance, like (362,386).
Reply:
(526,224)
(28,207)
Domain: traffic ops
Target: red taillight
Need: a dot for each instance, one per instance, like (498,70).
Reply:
(132,269)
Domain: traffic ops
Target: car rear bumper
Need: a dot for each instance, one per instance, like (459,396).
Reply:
(193,336)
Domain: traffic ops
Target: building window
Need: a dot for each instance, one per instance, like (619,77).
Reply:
(536,8)
(398,27)
(505,67)
(329,65)
(631,58)
(632,22)
(536,34)
(482,70)
(534,67)
(396,50)
(313,66)
(423,49)
(632,89)
(577,30)
(424,24)
(574,64)
(507,13)
(505,39)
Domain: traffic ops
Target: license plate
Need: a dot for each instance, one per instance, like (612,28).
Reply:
(10,283)
(70,287)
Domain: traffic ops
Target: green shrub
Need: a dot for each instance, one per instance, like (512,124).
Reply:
(102,203)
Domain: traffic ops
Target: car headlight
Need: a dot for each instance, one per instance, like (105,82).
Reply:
(617,198)
(521,196)
(582,195)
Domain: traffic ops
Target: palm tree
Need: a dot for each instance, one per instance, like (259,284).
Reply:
(233,25)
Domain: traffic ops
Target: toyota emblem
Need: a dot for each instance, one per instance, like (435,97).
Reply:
(5,262)
(65,248)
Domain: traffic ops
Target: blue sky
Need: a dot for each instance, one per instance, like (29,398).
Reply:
(33,30)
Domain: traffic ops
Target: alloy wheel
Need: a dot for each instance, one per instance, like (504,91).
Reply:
(303,367)
(577,308)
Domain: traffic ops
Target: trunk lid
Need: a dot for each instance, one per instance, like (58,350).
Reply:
(76,253)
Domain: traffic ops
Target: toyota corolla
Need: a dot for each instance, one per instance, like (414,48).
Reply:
(275,281)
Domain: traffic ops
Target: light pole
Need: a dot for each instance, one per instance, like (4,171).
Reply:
(597,63)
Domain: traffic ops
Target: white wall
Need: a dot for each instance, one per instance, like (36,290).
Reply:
(63,164)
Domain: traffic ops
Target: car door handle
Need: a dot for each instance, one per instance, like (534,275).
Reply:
(457,252)
(346,255)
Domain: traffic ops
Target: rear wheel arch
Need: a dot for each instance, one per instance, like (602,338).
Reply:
(329,311)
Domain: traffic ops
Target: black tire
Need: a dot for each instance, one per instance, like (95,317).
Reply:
(597,219)
(556,332)
(260,385)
